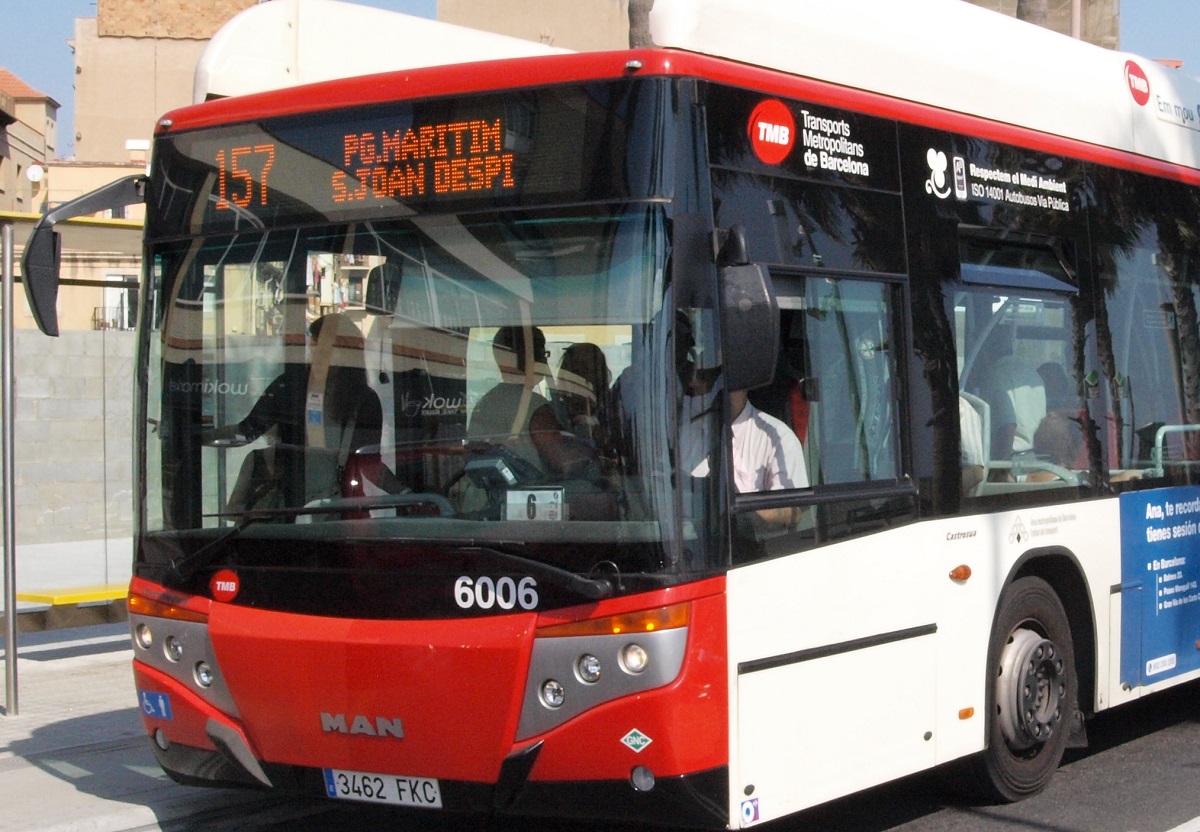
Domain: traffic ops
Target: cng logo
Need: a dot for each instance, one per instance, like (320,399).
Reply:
(636,741)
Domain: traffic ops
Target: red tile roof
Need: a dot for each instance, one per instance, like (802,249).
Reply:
(18,89)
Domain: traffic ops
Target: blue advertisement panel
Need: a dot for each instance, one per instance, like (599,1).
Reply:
(1160,584)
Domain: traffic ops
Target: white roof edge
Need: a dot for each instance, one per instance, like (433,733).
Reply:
(288,42)
(953,55)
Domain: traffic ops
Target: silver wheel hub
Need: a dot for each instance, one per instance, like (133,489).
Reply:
(1031,690)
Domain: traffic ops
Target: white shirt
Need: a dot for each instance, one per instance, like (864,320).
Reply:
(1017,396)
(971,428)
(767,456)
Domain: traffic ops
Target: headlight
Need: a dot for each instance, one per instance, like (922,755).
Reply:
(553,694)
(203,674)
(173,648)
(634,658)
(587,668)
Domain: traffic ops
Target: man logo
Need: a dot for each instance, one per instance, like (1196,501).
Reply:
(380,726)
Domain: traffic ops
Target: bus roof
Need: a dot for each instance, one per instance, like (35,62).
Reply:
(285,43)
(947,54)
(955,56)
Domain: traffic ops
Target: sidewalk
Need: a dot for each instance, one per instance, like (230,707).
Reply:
(75,757)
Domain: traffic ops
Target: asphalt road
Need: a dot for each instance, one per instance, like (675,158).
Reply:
(1140,773)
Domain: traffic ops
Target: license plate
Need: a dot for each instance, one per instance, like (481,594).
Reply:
(393,789)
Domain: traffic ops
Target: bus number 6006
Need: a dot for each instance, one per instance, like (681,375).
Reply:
(504,593)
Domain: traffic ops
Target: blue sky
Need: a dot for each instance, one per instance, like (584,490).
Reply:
(1161,29)
(35,34)
(33,46)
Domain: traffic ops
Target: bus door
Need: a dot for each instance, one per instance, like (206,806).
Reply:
(831,626)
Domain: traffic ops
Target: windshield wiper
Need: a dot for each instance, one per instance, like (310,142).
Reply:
(594,589)
(182,569)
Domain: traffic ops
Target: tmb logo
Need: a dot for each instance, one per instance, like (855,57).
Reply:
(1139,84)
(772,131)
(225,585)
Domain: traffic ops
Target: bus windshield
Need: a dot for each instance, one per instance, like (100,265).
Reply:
(480,377)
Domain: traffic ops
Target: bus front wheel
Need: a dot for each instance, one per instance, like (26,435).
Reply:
(1032,667)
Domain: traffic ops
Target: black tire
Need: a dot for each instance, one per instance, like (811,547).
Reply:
(1033,692)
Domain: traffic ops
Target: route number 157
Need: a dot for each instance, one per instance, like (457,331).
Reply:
(242,175)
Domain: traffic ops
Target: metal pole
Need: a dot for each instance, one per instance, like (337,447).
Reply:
(11,707)
(1077,19)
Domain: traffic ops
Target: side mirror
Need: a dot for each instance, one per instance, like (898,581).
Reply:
(749,326)
(697,356)
(383,289)
(43,253)
(729,246)
(39,274)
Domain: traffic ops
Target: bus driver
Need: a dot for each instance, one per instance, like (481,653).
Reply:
(767,456)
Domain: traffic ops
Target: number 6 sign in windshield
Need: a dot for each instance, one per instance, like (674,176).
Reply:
(545,504)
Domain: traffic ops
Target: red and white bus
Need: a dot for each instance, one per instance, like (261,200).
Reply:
(474,543)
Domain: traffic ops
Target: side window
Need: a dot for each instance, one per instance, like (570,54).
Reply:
(1151,346)
(1020,413)
(834,384)
(1016,327)
(835,394)
(787,400)
(850,341)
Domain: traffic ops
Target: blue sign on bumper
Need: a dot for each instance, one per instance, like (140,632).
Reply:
(157,705)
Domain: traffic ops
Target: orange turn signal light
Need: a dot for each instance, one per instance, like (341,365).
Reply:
(630,623)
(140,605)
(960,573)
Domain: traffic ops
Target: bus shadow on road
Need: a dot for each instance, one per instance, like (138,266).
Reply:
(947,791)
(1127,723)
(100,766)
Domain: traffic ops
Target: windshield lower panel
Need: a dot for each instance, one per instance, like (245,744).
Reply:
(437,393)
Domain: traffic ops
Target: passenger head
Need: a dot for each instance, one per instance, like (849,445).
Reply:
(1058,386)
(583,371)
(314,329)
(339,368)
(511,348)
(1058,439)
